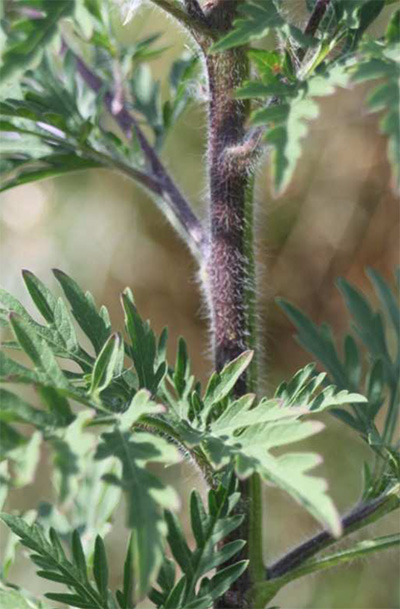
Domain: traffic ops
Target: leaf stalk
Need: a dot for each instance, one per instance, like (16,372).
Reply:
(361,516)
(159,181)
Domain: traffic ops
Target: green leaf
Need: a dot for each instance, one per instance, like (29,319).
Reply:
(100,568)
(181,378)
(244,436)
(257,18)
(140,405)
(198,518)
(209,530)
(65,329)
(11,440)
(376,387)
(125,596)
(13,372)
(317,341)
(143,347)
(41,296)
(43,167)
(176,597)
(85,312)
(382,373)
(255,89)
(51,558)
(72,600)
(227,551)
(41,355)
(9,552)
(108,364)
(47,367)
(269,64)
(166,576)
(221,384)
(380,61)
(25,460)
(288,122)
(222,581)
(146,496)
(352,361)
(59,335)
(291,474)
(387,298)
(15,409)
(177,542)
(368,325)
(358,14)
(71,447)
(26,41)
(78,554)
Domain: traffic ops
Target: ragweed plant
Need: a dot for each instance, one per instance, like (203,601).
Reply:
(125,406)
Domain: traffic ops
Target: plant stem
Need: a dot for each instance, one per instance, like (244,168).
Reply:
(193,19)
(226,268)
(195,11)
(321,6)
(268,590)
(361,516)
(350,554)
(228,276)
(178,207)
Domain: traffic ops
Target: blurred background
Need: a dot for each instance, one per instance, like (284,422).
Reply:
(338,217)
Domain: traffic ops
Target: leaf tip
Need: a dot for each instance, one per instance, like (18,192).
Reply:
(59,273)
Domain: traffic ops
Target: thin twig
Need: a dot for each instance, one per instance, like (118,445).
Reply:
(159,181)
(193,19)
(316,16)
(359,517)
(313,23)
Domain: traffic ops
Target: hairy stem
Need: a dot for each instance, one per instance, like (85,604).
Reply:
(226,269)
(361,516)
(229,275)
(332,560)
(159,181)
(267,591)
